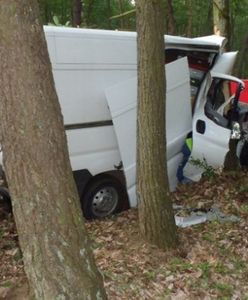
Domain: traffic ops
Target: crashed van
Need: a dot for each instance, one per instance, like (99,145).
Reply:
(95,74)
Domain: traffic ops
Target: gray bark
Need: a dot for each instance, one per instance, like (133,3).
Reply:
(157,224)
(57,256)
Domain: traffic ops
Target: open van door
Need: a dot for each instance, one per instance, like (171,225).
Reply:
(215,122)
(122,101)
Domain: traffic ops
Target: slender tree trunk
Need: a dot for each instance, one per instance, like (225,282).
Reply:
(57,257)
(109,9)
(207,28)
(190,18)
(221,18)
(171,23)
(76,13)
(122,20)
(156,218)
(89,12)
(242,58)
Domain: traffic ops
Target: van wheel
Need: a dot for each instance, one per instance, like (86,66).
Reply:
(103,198)
(244,155)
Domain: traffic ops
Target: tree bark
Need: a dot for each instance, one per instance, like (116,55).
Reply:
(57,257)
(76,13)
(156,218)
(221,18)
(122,20)
(242,58)
(190,18)
(209,20)
(109,9)
(171,23)
(88,13)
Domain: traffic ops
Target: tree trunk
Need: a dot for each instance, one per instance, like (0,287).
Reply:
(109,9)
(242,58)
(57,257)
(156,218)
(207,28)
(190,18)
(171,23)
(89,12)
(221,18)
(76,13)
(122,20)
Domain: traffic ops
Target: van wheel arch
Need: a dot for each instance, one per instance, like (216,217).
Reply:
(105,194)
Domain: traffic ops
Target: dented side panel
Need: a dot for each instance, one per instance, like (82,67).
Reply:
(122,101)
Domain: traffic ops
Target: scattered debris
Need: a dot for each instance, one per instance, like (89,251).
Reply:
(210,262)
(198,216)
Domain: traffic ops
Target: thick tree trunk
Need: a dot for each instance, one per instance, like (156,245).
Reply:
(156,217)
(76,13)
(221,18)
(57,256)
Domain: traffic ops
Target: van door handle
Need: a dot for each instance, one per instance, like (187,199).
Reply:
(200,126)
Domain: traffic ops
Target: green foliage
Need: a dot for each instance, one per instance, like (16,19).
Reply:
(205,268)
(59,8)
(95,13)
(239,19)
(201,17)
(224,288)
(209,171)
(57,22)
(178,263)
(208,236)
(193,18)
(7,284)
(244,209)
(221,269)
(150,274)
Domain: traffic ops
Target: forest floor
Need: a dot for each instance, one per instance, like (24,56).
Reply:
(211,261)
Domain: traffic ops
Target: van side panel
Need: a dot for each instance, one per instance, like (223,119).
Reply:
(81,91)
(94,149)
(85,63)
(95,49)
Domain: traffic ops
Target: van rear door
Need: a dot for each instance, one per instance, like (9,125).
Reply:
(122,101)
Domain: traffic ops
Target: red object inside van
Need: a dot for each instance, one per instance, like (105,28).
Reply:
(244,94)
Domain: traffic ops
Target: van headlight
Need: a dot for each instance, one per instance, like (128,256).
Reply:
(236,132)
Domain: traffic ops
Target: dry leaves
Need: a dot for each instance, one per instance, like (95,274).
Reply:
(210,262)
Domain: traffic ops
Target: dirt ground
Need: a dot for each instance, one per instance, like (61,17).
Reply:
(209,263)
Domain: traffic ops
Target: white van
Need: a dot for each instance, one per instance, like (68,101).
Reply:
(95,75)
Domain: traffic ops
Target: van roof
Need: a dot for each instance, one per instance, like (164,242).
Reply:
(207,42)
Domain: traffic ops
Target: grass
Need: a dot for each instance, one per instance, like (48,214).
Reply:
(224,290)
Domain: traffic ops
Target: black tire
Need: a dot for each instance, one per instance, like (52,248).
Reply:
(5,201)
(103,197)
(244,156)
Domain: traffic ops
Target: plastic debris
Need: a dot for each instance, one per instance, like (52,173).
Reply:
(198,216)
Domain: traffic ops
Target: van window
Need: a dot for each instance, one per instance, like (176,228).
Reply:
(218,105)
